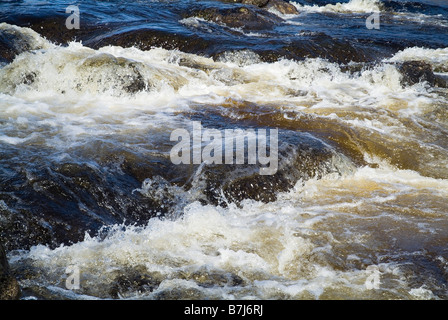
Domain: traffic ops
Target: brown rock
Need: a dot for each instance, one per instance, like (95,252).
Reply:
(282,6)
(419,71)
(9,288)
(13,43)
(258,3)
(249,18)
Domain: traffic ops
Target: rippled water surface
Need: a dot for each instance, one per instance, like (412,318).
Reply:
(356,210)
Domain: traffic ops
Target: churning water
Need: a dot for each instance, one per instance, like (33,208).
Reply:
(357,209)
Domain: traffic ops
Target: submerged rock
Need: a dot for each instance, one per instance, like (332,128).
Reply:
(247,18)
(59,202)
(146,39)
(304,160)
(300,157)
(319,46)
(258,3)
(132,280)
(255,16)
(14,41)
(9,288)
(280,5)
(419,71)
(123,74)
(7,48)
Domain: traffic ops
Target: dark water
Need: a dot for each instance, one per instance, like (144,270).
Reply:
(403,24)
(86,178)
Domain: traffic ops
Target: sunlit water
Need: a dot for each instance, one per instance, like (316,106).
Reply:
(86,179)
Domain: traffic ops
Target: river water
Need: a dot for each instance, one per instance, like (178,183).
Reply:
(357,209)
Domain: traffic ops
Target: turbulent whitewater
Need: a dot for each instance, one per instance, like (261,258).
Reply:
(356,210)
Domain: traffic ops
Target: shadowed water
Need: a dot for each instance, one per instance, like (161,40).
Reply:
(86,177)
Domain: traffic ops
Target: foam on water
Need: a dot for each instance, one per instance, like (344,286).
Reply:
(73,93)
(322,239)
(370,6)
(164,77)
(357,6)
(277,250)
(438,58)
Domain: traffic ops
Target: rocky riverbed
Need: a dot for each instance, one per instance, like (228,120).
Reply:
(359,179)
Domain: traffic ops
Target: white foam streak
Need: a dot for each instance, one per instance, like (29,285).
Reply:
(356,6)
(129,76)
(293,247)
(438,58)
(79,91)
(277,252)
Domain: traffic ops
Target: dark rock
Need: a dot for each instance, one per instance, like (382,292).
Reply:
(9,288)
(258,3)
(300,157)
(146,39)
(124,73)
(180,294)
(319,46)
(4,266)
(248,18)
(419,71)
(53,29)
(303,160)
(282,7)
(441,82)
(207,278)
(13,43)
(60,203)
(7,50)
(130,281)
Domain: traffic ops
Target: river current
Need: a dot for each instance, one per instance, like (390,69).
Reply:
(92,205)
